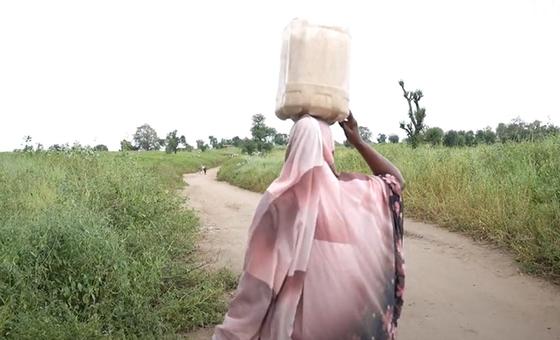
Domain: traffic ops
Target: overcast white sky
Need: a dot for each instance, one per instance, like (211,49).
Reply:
(92,71)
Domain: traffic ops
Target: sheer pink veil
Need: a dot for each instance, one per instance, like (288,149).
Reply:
(310,226)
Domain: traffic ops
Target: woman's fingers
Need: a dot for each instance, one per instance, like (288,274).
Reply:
(345,128)
(351,118)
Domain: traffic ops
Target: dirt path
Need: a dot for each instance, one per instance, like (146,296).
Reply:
(456,288)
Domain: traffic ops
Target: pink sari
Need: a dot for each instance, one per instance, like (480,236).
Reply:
(324,257)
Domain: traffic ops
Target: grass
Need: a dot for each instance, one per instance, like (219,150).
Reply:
(170,167)
(505,193)
(98,244)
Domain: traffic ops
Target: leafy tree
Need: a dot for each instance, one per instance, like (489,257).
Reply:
(248,146)
(146,138)
(501,132)
(200,145)
(223,143)
(365,133)
(187,147)
(281,139)
(236,141)
(486,136)
(100,147)
(213,141)
(479,137)
(381,138)
(415,127)
(27,144)
(263,135)
(79,147)
(394,139)
(451,138)
(58,147)
(518,131)
(127,146)
(172,142)
(461,139)
(470,139)
(434,136)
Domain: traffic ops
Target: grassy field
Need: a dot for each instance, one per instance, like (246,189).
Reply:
(505,193)
(171,167)
(98,244)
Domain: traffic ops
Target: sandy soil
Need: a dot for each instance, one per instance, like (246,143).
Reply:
(456,288)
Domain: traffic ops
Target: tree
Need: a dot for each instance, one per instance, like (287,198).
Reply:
(172,142)
(187,147)
(262,134)
(100,147)
(434,136)
(415,127)
(470,139)
(381,138)
(213,141)
(248,146)
(57,147)
(479,137)
(281,139)
(394,139)
(146,138)
(518,131)
(365,133)
(200,145)
(127,146)
(488,135)
(236,141)
(451,138)
(461,139)
(223,143)
(27,144)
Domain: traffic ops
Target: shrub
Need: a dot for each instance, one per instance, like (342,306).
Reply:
(97,245)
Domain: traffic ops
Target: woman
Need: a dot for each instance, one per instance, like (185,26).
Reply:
(324,255)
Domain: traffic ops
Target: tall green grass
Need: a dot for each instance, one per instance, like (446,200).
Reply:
(505,193)
(96,244)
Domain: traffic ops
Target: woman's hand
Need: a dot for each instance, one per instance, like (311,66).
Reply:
(376,162)
(351,130)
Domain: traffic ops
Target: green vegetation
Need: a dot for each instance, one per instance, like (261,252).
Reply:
(252,172)
(171,167)
(505,193)
(416,116)
(98,244)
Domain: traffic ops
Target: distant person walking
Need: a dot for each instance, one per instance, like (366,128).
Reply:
(324,257)
(204,169)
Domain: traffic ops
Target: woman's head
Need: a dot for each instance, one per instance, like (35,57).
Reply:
(311,138)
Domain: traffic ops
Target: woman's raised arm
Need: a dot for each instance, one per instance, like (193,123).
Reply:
(378,164)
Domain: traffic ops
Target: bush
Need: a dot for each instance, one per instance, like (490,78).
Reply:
(97,245)
(98,147)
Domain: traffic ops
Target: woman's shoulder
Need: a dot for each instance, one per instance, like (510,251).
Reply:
(380,181)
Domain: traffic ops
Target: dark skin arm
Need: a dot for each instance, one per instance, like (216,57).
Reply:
(378,164)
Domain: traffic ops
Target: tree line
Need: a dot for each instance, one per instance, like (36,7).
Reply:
(515,131)
(263,139)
